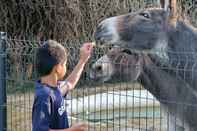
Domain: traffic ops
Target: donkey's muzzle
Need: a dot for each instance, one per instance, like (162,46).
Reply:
(102,35)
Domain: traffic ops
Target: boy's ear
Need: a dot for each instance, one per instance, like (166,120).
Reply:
(58,68)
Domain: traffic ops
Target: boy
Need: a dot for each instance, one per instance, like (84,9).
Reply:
(49,111)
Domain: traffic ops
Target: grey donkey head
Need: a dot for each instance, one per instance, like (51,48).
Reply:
(119,64)
(143,30)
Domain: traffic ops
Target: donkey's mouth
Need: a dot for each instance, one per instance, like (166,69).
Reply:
(103,38)
(106,38)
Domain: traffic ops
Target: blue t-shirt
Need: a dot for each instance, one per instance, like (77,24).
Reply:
(49,109)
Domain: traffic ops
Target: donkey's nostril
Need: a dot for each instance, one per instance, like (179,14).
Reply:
(98,68)
(99,28)
(97,34)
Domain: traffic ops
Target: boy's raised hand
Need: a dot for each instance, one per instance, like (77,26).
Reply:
(85,51)
(79,127)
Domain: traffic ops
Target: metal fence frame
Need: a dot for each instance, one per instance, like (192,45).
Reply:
(3,114)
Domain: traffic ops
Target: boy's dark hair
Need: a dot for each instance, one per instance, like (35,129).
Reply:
(48,55)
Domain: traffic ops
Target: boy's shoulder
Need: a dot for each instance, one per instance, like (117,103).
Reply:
(42,91)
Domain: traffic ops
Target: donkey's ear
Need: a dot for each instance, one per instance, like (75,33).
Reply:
(162,3)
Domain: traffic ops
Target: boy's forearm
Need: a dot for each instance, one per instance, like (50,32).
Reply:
(73,77)
(76,73)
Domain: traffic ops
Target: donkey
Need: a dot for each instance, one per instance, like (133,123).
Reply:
(177,98)
(174,43)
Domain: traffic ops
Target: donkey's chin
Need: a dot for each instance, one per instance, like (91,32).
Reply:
(99,78)
(104,43)
(109,44)
(107,40)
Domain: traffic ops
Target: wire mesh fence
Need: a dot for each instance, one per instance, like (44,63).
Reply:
(112,106)
(115,105)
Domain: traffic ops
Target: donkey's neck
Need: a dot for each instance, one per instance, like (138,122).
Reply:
(169,91)
(182,49)
(182,38)
(164,86)
(178,43)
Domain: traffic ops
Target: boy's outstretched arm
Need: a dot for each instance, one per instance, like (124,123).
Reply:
(71,81)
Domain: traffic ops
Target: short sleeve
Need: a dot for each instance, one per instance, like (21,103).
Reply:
(64,84)
(41,115)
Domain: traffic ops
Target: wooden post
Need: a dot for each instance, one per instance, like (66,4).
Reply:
(170,5)
(173,9)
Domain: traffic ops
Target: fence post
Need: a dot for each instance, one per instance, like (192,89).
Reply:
(3,111)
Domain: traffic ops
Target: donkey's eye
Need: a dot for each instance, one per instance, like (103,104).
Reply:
(145,14)
(127,51)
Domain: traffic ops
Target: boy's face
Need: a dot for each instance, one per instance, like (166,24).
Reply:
(61,70)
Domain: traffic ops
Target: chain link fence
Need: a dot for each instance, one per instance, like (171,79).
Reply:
(104,106)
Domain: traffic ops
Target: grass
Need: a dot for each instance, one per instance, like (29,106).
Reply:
(19,111)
